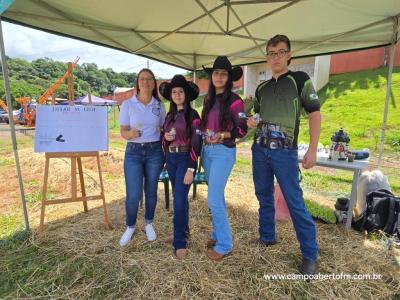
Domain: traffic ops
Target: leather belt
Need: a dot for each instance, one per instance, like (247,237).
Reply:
(178,149)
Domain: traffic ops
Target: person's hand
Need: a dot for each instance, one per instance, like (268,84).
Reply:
(309,159)
(134,133)
(188,179)
(251,123)
(215,139)
(169,137)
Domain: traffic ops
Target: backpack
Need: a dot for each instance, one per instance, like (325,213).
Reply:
(382,213)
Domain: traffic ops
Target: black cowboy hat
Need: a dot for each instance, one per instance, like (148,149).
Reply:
(191,89)
(223,63)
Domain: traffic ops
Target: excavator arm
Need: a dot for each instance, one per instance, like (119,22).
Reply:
(56,85)
(3,105)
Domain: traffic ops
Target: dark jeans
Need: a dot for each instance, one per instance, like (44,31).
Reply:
(142,161)
(177,164)
(282,163)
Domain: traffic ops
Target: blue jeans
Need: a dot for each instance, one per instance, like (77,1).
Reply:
(142,161)
(283,163)
(177,164)
(218,161)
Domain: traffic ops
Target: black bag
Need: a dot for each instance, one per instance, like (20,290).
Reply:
(382,213)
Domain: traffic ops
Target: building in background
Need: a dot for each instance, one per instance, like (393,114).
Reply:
(316,67)
(121,94)
(363,60)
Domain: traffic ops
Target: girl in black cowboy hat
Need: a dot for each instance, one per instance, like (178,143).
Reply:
(182,145)
(221,125)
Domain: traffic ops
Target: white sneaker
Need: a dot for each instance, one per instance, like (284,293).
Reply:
(150,233)
(127,236)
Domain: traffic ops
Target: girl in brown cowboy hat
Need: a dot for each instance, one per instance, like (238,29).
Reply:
(182,144)
(221,124)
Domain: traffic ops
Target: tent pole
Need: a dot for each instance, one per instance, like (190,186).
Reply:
(194,74)
(194,81)
(388,89)
(194,67)
(115,122)
(12,128)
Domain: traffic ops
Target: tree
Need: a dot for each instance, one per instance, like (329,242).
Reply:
(20,89)
(201,74)
(33,78)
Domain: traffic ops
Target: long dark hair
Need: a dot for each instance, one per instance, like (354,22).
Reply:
(187,112)
(209,101)
(155,90)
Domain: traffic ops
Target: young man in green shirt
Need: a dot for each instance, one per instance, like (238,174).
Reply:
(279,102)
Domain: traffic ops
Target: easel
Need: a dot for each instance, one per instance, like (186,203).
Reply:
(76,160)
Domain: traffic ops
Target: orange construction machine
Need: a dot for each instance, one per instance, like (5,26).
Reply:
(3,105)
(18,119)
(28,116)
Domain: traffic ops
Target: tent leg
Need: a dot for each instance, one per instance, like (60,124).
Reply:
(194,74)
(115,122)
(385,113)
(12,128)
(194,81)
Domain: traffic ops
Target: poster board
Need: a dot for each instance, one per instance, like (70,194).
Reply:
(71,128)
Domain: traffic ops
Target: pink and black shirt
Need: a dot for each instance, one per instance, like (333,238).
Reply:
(194,141)
(237,126)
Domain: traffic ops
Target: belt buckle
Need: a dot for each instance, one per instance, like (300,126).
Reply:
(261,141)
(173,149)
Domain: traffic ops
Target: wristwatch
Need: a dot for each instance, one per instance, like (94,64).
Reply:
(190,170)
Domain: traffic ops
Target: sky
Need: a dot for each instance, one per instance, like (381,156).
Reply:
(30,44)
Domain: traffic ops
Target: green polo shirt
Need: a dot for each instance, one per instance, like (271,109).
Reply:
(281,101)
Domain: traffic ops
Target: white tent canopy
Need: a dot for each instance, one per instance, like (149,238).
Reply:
(191,33)
(95,101)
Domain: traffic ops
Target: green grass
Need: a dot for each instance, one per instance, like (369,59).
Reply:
(33,197)
(242,162)
(339,183)
(9,223)
(117,144)
(332,186)
(321,212)
(393,138)
(37,196)
(109,176)
(47,269)
(113,128)
(197,103)
(355,102)
(7,148)
(4,162)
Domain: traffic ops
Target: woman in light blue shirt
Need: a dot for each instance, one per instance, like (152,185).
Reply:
(141,118)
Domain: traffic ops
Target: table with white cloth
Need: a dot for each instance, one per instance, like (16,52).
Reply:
(357,166)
